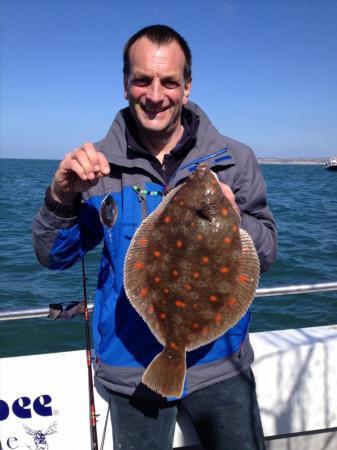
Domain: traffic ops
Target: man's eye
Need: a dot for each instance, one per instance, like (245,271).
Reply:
(141,81)
(170,84)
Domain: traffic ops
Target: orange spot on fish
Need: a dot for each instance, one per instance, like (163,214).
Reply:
(150,309)
(196,275)
(174,346)
(227,240)
(243,278)
(223,269)
(200,237)
(187,286)
(180,304)
(231,301)
(175,273)
(143,292)
(205,259)
(224,211)
(217,318)
(235,228)
(179,244)
(195,325)
(139,265)
(143,242)
(167,219)
(157,279)
(181,203)
(162,315)
(213,298)
(156,253)
(166,290)
(204,331)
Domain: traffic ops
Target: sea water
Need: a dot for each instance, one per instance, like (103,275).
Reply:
(303,199)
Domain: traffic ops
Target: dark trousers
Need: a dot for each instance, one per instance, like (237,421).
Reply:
(225,416)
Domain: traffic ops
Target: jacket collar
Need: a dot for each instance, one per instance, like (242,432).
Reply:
(189,119)
(210,147)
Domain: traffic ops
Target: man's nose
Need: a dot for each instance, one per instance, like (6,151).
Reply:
(155,92)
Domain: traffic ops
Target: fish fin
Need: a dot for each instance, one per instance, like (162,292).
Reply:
(166,373)
(249,269)
(247,280)
(160,208)
(238,300)
(135,275)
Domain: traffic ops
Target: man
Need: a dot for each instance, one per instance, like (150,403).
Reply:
(151,146)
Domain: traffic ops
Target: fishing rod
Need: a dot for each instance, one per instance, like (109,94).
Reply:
(93,428)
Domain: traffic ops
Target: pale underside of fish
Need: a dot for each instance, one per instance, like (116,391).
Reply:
(191,273)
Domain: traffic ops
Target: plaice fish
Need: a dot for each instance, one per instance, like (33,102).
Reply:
(191,273)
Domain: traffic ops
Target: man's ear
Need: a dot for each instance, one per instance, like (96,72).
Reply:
(126,87)
(187,90)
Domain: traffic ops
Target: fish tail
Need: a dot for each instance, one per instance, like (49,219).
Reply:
(166,373)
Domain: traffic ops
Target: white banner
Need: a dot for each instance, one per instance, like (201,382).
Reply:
(44,402)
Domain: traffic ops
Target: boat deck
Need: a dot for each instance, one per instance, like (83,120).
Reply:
(296,376)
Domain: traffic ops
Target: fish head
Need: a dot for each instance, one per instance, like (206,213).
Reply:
(204,190)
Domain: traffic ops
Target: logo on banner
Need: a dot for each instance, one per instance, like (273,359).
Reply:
(39,437)
(23,407)
(30,408)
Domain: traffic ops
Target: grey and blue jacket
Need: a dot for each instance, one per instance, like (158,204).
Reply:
(123,343)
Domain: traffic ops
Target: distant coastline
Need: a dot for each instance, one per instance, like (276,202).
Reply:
(311,161)
(261,160)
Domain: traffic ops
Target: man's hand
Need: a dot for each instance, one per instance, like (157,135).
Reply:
(227,191)
(79,170)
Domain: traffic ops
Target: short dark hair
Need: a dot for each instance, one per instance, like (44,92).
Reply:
(160,35)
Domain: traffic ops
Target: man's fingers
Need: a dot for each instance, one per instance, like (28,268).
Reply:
(87,160)
(81,168)
(227,191)
(72,164)
(88,163)
(91,156)
(103,164)
(93,162)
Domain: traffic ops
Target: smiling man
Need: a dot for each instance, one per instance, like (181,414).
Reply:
(152,146)
(157,86)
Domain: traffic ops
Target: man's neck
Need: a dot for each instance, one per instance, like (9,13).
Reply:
(161,146)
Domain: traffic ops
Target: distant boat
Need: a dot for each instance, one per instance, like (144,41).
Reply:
(332,163)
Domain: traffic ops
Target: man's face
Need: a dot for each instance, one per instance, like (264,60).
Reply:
(155,86)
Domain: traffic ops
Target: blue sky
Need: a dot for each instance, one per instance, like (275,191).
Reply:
(264,71)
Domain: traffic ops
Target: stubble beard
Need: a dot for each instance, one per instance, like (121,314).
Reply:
(161,134)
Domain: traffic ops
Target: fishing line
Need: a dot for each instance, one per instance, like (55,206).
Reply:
(105,425)
(93,428)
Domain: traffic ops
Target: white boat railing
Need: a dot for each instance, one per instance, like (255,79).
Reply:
(33,313)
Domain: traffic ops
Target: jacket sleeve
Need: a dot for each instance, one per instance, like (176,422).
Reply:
(256,217)
(60,238)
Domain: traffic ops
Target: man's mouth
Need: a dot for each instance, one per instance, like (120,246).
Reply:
(153,111)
